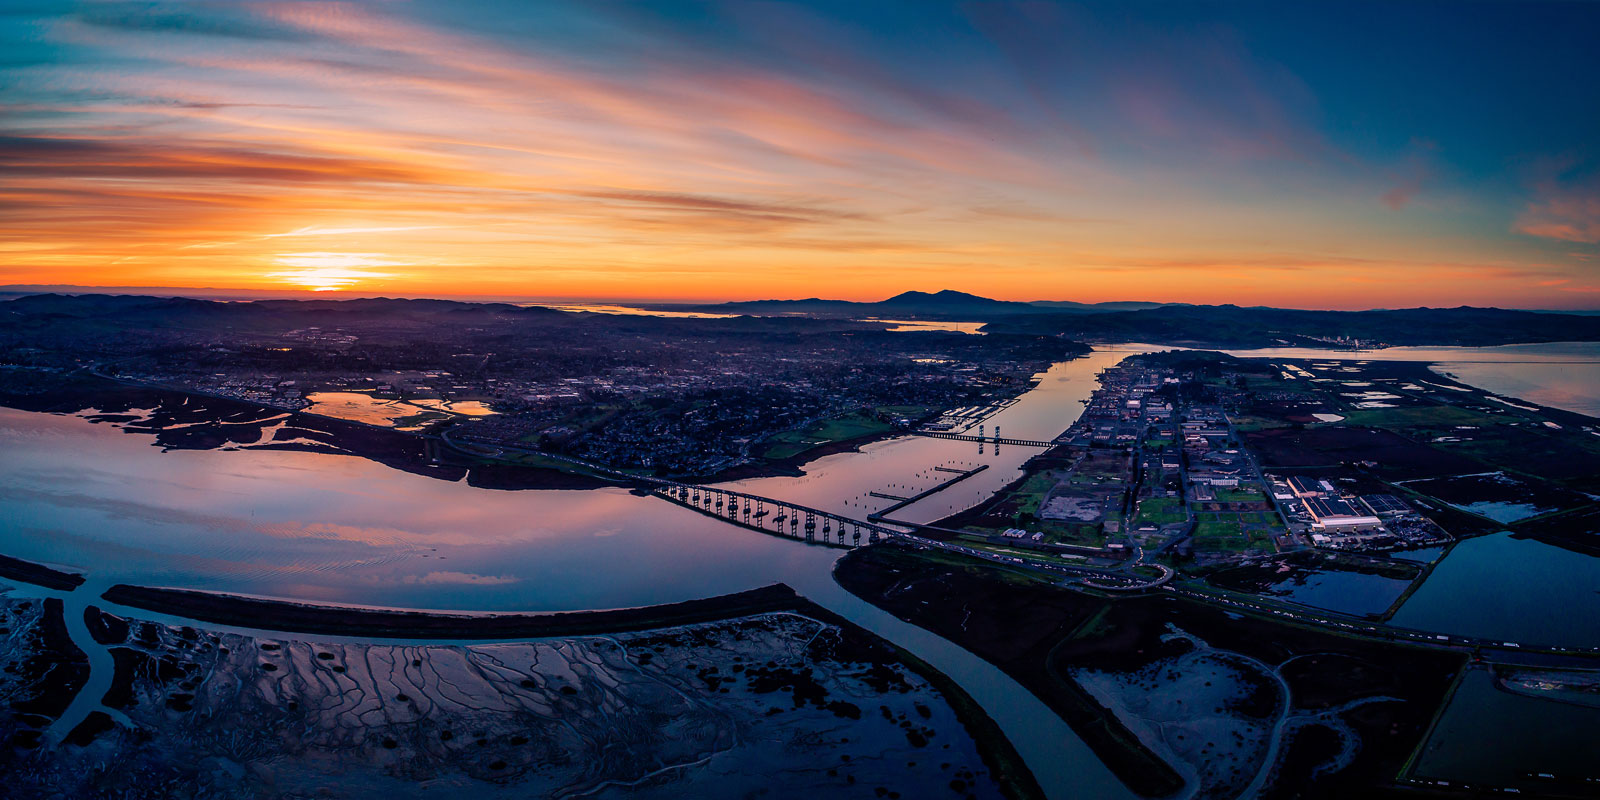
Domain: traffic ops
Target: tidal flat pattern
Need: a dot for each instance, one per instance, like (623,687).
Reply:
(775,704)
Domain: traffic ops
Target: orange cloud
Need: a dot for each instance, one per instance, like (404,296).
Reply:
(377,153)
(1566,212)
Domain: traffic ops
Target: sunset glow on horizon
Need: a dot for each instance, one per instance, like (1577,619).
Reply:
(1244,153)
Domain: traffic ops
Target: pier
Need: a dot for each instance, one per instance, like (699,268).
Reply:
(902,502)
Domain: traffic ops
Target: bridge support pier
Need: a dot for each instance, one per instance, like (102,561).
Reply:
(757,512)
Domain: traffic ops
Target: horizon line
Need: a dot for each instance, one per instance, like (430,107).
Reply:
(242,294)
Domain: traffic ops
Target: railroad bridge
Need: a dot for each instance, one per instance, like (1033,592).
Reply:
(764,514)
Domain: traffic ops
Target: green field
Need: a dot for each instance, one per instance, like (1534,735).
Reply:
(1428,422)
(1229,536)
(1160,511)
(1031,493)
(1427,417)
(1239,496)
(1249,424)
(1218,528)
(1221,544)
(1082,534)
(838,429)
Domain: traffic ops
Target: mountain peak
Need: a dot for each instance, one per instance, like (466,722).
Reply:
(941,297)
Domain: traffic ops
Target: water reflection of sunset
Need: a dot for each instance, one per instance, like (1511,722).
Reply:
(332,528)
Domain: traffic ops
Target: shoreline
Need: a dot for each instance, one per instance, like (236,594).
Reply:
(794,465)
(405,450)
(301,618)
(39,574)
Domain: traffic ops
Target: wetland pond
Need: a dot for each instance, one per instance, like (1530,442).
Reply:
(1563,375)
(1347,584)
(1503,587)
(1490,736)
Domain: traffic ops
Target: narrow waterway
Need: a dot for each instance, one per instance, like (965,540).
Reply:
(101,667)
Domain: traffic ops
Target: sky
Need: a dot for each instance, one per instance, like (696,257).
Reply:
(1342,155)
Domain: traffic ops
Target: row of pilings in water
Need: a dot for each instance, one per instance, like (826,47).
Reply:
(771,516)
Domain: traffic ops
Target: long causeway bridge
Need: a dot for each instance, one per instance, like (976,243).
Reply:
(812,525)
(764,514)
(997,440)
(834,530)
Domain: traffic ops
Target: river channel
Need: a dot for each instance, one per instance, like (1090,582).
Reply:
(336,529)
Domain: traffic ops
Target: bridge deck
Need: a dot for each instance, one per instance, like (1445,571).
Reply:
(962,437)
(789,520)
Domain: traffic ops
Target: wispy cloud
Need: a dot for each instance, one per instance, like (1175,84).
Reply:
(1574,217)
(745,149)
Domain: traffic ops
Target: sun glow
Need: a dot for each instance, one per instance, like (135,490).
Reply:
(330,272)
(610,157)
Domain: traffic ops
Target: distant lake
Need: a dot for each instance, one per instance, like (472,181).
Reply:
(635,311)
(627,311)
(1564,375)
(931,325)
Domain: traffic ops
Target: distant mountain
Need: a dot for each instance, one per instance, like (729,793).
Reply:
(951,302)
(24,290)
(74,315)
(157,312)
(1209,326)
(1217,326)
(946,305)
(1582,312)
(942,305)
